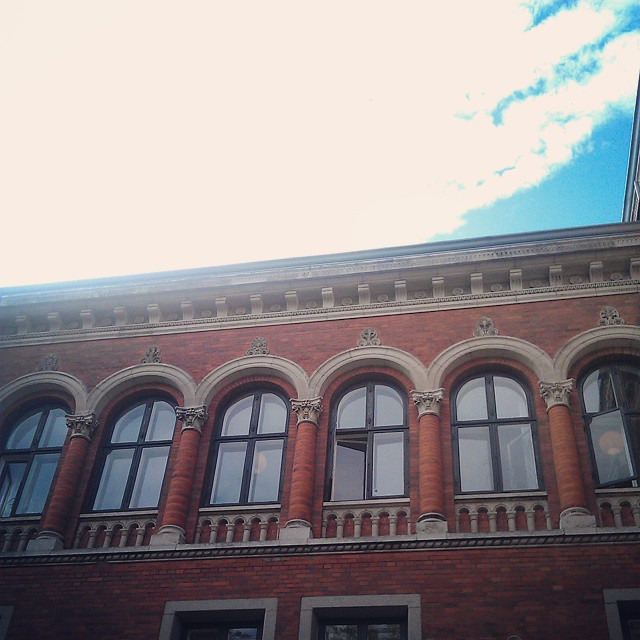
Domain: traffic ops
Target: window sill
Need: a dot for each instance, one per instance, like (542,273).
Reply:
(507,495)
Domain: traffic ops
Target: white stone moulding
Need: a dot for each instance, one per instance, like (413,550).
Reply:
(15,535)
(518,512)
(620,507)
(355,515)
(237,524)
(130,529)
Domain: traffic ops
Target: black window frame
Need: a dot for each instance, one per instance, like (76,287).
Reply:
(250,438)
(362,624)
(632,442)
(139,445)
(221,626)
(493,423)
(369,430)
(29,455)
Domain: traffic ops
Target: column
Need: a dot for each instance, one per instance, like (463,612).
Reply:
(566,461)
(298,527)
(174,518)
(430,481)
(57,513)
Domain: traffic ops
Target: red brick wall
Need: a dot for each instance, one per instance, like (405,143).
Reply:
(535,593)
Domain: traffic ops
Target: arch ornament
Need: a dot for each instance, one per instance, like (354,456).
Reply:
(131,377)
(346,361)
(246,366)
(531,356)
(43,382)
(592,341)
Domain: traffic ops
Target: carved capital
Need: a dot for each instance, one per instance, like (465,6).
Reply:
(556,392)
(307,410)
(428,401)
(82,426)
(192,417)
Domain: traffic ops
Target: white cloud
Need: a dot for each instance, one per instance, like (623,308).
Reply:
(149,135)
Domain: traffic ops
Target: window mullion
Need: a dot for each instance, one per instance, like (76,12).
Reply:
(133,473)
(246,474)
(39,429)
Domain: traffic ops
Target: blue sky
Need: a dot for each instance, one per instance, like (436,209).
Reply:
(154,136)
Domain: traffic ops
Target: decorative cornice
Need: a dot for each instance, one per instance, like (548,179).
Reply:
(307,410)
(555,393)
(428,401)
(192,417)
(258,347)
(460,541)
(609,316)
(82,426)
(369,338)
(151,356)
(425,305)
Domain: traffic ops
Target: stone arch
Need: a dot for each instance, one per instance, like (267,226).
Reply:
(131,377)
(45,382)
(590,342)
(346,361)
(531,356)
(247,366)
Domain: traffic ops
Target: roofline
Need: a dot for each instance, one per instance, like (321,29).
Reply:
(634,153)
(447,246)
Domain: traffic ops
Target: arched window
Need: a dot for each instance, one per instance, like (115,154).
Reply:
(611,404)
(134,460)
(29,456)
(369,445)
(494,436)
(249,450)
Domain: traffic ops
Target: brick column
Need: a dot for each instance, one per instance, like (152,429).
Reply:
(566,461)
(430,480)
(174,518)
(56,516)
(298,527)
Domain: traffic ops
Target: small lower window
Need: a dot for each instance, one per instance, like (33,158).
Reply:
(363,630)
(223,631)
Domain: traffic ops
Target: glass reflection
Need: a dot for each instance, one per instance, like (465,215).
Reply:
(352,410)
(227,481)
(517,458)
(511,400)
(146,490)
(265,471)
(55,429)
(388,464)
(611,451)
(475,459)
(349,468)
(273,414)
(471,401)
(388,407)
(598,392)
(127,428)
(22,434)
(162,422)
(114,480)
(237,418)
(36,488)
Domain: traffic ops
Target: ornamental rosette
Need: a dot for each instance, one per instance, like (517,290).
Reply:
(307,410)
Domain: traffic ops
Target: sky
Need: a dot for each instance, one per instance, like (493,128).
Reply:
(142,136)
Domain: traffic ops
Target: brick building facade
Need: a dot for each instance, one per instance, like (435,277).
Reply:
(438,441)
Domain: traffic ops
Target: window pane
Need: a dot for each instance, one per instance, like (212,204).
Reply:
(388,464)
(349,467)
(11,474)
(265,472)
(630,379)
(471,402)
(36,488)
(227,481)
(242,634)
(22,434)
(610,448)
(273,414)
(127,428)
(114,480)
(352,410)
(162,422)
(146,490)
(475,459)
(341,632)
(511,400)
(388,407)
(517,457)
(237,418)
(55,429)
(598,392)
(383,632)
